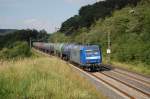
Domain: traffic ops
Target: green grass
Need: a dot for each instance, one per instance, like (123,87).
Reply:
(43,78)
(134,67)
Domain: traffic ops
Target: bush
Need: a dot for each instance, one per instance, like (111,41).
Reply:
(16,50)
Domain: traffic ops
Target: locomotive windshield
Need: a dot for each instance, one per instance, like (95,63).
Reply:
(92,53)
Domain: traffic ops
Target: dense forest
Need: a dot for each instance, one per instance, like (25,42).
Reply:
(17,43)
(91,13)
(127,21)
(6,31)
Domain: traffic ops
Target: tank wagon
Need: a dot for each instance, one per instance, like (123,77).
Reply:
(86,56)
(58,49)
(66,51)
(46,47)
(38,45)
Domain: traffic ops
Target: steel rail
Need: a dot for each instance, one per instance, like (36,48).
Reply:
(125,93)
(132,77)
(137,89)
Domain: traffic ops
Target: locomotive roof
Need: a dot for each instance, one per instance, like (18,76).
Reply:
(82,47)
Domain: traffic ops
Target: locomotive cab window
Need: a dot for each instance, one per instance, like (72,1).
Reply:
(92,52)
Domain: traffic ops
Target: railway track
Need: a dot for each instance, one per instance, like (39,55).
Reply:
(137,77)
(134,76)
(133,79)
(130,86)
(113,86)
(136,89)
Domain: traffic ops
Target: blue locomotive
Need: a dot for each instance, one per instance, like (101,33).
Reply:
(86,56)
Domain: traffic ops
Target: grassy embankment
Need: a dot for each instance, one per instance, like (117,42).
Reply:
(43,77)
(135,67)
(138,68)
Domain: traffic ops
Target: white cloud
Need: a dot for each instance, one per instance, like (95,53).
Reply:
(39,24)
(82,2)
(30,23)
(74,1)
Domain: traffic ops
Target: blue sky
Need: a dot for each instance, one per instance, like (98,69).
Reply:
(38,14)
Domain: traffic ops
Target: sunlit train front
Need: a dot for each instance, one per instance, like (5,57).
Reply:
(92,55)
(87,56)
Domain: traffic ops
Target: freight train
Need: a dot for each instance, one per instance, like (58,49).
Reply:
(88,57)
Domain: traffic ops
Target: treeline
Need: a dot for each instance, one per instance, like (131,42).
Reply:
(23,35)
(17,44)
(90,13)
